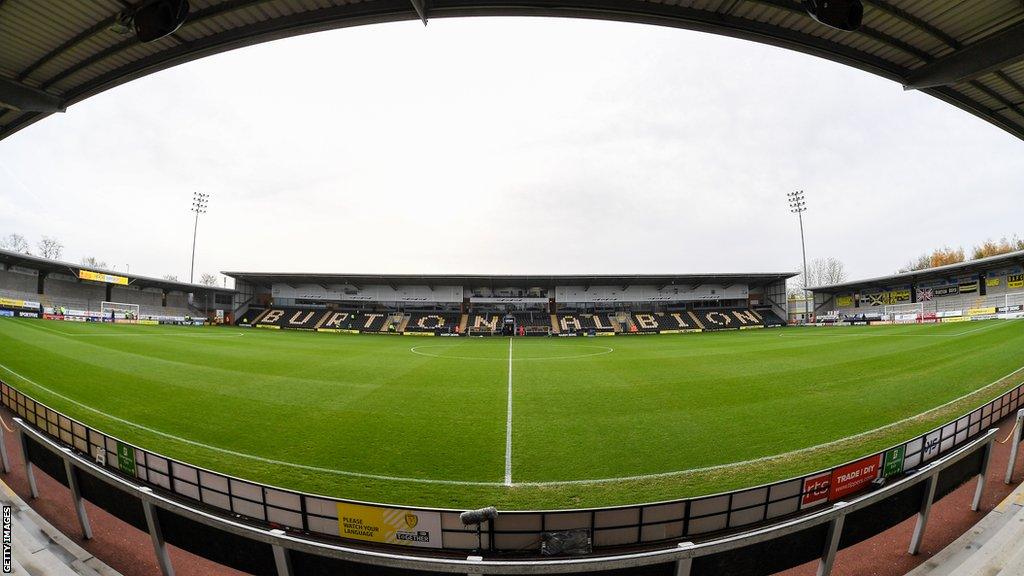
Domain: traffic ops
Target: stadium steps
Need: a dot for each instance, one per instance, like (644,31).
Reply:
(323,318)
(395,319)
(260,316)
(404,322)
(993,547)
(463,322)
(630,324)
(695,319)
(39,549)
(554,324)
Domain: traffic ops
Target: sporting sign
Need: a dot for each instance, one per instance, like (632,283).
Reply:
(893,461)
(854,477)
(389,525)
(815,490)
(1015,281)
(968,287)
(126,458)
(15,303)
(100,277)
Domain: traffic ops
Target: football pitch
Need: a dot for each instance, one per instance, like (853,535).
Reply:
(525,423)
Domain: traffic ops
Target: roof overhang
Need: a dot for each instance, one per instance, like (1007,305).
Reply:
(508,280)
(1001,261)
(45,265)
(966,53)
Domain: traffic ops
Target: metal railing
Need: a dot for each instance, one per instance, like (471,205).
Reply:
(650,525)
(830,528)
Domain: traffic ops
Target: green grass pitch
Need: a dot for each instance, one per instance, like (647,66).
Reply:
(595,421)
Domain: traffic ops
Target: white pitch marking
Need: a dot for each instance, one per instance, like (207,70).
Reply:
(502,484)
(886,334)
(508,421)
(243,454)
(133,335)
(603,350)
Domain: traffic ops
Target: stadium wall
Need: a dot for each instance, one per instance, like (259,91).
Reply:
(648,526)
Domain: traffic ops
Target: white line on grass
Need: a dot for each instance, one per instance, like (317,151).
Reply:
(418,350)
(244,454)
(508,421)
(911,334)
(508,454)
(130,334)
(773,456)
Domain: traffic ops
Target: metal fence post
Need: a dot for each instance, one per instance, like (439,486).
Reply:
(76,498)
(835,531)
(922,516)
(684,565)
(4,460)
(985,457)
(1013,447)
(282,559)
(32,490)
(157,535)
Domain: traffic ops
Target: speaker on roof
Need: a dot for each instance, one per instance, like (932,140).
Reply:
(841,14)
(155,19)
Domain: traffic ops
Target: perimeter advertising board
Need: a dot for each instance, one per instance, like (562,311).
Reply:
(893,461)
(854,477)
(126,458)
(815,490)
(389,525)
(100,277)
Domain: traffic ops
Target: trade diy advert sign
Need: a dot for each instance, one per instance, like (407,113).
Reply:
(854,477)
(841,482)
(389,525)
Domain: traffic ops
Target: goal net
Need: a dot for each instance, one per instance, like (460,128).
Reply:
(905,312)
(120,311)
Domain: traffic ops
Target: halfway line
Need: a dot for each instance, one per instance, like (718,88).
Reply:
(508,421)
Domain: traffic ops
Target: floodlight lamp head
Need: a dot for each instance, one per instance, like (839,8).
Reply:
(155,19)
(841,14)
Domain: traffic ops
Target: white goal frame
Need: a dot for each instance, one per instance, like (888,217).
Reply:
(122,311)
(916,308)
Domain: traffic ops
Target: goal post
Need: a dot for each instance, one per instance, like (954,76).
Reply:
(905,312)
(121,311)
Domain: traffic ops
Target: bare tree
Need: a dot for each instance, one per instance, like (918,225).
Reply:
(170,277)
(14,243)
(92,262)
(820,272)
(208,279)
(50,248)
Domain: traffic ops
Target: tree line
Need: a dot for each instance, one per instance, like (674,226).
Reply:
(945,255)
(53,249)
(48,247)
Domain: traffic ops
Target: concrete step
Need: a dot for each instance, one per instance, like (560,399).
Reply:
(986,548)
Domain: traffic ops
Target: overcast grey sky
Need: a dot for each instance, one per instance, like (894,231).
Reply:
(509,146)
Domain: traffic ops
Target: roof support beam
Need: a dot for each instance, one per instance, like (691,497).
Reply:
(420,9)
(971,61)
(26,98)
